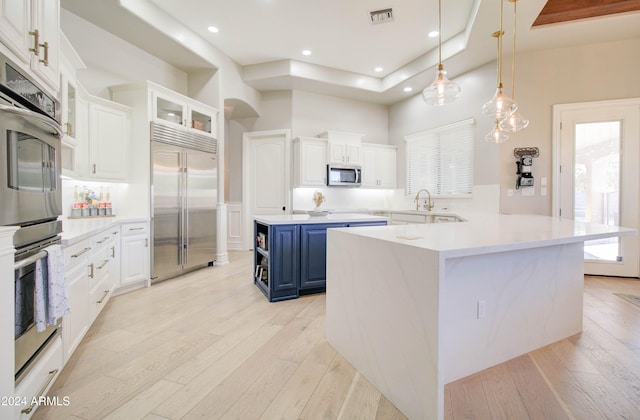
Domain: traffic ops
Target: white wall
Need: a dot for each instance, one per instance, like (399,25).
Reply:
(313,113)
(113,61)
(564,75)
(557,76)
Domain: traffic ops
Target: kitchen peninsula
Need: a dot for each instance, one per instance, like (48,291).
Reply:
(414,307)
(290,251)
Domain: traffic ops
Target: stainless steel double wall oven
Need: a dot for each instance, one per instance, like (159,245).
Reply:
(30,195)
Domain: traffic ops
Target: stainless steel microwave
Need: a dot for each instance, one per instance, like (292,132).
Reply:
(344,175)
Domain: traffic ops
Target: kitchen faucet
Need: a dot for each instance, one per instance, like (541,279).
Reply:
(429,204)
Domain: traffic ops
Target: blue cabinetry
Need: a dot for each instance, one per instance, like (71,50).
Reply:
(290,260)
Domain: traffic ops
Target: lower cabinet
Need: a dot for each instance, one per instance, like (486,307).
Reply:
(313,255)
(290,260)
(135,268)
(76,324)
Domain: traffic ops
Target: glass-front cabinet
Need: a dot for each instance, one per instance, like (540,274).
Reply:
(69,94)
(179,111)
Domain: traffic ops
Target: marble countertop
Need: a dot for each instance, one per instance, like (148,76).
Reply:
(76,230)
(295,219)
(484,233)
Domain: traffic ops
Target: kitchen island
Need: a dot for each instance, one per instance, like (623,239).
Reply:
(290,251)
(414,307)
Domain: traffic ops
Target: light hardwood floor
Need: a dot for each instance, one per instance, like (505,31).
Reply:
(208,345)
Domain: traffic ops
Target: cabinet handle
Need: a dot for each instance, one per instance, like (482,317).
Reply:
(103,239)
(138,228)
(91,266)
(46,53)
(146,242)
(104,262)
(106,293)
(113,252)
(94,168)
(69,129)
(34,401)
(80,253)
(36,42)
(115,232)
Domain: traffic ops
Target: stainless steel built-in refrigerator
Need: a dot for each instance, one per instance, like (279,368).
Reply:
(184,201)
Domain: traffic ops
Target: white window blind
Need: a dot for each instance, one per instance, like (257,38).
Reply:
(441,160)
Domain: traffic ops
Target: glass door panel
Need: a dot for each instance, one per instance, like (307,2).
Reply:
(169,111)
(597,183)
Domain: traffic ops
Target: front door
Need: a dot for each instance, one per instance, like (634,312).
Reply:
(598,178)
(266,176)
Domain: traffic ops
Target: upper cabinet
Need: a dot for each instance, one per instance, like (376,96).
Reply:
(177,110)
(109,137)
(70,62)
(344,148)
(30,30)
(309,162)
(378,166)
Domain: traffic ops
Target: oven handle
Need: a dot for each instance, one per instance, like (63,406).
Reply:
(33,115)
(29,260)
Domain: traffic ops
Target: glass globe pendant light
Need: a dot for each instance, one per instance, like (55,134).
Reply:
(442,90)
(514,122)
(500,105)
(497,135)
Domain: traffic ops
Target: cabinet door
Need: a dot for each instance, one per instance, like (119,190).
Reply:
(46,19)
(313,163)
(386,168)
(337,152)
(313,255)
(108,142)
(76,324)
(353,152)
(15,25)
(369,167)
(283,252)
(168,110)
(134,259)
(203,120)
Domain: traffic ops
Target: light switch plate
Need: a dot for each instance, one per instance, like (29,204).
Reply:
(528,191)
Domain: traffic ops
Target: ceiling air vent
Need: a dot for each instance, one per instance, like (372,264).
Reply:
(381,16)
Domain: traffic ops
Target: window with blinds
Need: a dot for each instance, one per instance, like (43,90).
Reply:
(441,160)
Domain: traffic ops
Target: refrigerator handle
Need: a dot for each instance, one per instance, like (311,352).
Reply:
(185,209)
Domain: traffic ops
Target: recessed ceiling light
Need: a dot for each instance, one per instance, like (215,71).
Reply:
(408,89)
(378,69)
(433,34)
(213,29)
(306,52)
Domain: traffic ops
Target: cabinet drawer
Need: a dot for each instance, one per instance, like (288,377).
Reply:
(39,379)
(409,218)
(76,253)
(134,228)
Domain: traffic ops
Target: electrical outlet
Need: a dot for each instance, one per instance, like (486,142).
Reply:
(482,309)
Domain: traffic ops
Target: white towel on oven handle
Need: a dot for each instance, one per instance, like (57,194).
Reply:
(58,301)
(41,291)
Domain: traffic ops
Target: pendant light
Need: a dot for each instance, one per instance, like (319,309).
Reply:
(500,105)
(442,90)
(497,135)
(514,122)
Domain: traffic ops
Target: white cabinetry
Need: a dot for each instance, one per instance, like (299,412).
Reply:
(168,108)
(378,166)
(39,380)
(310,162)
(71,112)
(104,270)
(135,268)
(76,323)
(344,148)
(30,30)
(109,134)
